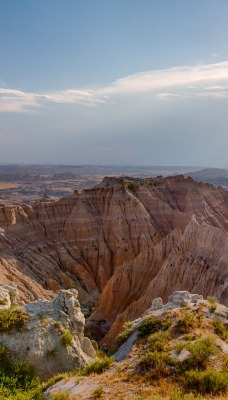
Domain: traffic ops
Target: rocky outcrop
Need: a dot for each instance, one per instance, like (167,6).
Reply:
(176,301)
(120,245)
(52,339)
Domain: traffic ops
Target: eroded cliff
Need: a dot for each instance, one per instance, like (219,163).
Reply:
(120,244)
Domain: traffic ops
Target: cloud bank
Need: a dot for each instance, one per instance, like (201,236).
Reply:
(205,80)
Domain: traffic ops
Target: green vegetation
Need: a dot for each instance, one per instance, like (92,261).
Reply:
(152,325)
(97,366)
(185,323)
(96,394)
(67,338)
(63,395)
(126,332)
(209,381)
(201,350)
(220,329)
(179,395)
(51,381)
(211,299)
(17,379)
(158,340)
(13,319)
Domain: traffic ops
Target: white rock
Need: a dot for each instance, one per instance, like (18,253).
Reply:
(40,342)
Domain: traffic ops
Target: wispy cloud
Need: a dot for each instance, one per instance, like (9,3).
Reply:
(205,80)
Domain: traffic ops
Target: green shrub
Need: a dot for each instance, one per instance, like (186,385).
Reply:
(150,326)
(19,380)
(213,307)
(12,320)
(123,336)
(67,338)
(156,363)
(97,366)
(210,381)
(158,340)
(185,323)
(211,299)
(201,350)
(220,329)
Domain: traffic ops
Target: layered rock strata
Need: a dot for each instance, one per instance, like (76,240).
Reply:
(120,244)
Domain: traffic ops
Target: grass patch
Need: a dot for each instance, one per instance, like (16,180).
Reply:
(12,320)
(156,363)
(220,329)
(178,395)
(201,350)
(17,379)
(185,323)
(209,381)
(67,338)
(96,394)
(63,395)
(97,366)
(51,381)
(158,340)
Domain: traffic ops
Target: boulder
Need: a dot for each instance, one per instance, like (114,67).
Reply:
(41,340)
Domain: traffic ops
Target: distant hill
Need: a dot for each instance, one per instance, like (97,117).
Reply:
(216,176)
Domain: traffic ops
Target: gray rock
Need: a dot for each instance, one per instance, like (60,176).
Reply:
(157,304)
(40,341)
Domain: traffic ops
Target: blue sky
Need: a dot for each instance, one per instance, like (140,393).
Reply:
(114,82)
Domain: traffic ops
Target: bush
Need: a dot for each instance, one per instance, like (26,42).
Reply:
(12,320)
(123,336)
(150,326)
(156,363)
(220,329)
(211,299)
(158,340)
(67,338)
(201,351)
(97,366)
(185,323)
(210,381)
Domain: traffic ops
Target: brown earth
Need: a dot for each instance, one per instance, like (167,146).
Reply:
(123,242)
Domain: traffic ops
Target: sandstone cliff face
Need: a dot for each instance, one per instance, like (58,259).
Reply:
(122,243)
(40,342)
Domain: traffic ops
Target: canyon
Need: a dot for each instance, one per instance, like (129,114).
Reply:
(120,244)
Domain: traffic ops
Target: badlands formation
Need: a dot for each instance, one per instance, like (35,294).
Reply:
(120,244)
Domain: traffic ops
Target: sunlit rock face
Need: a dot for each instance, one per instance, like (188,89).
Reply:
(120,245)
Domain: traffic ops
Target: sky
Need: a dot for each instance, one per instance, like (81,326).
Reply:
(106,82)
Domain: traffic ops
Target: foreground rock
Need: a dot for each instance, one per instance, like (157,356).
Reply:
(162,349)
(52,337)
